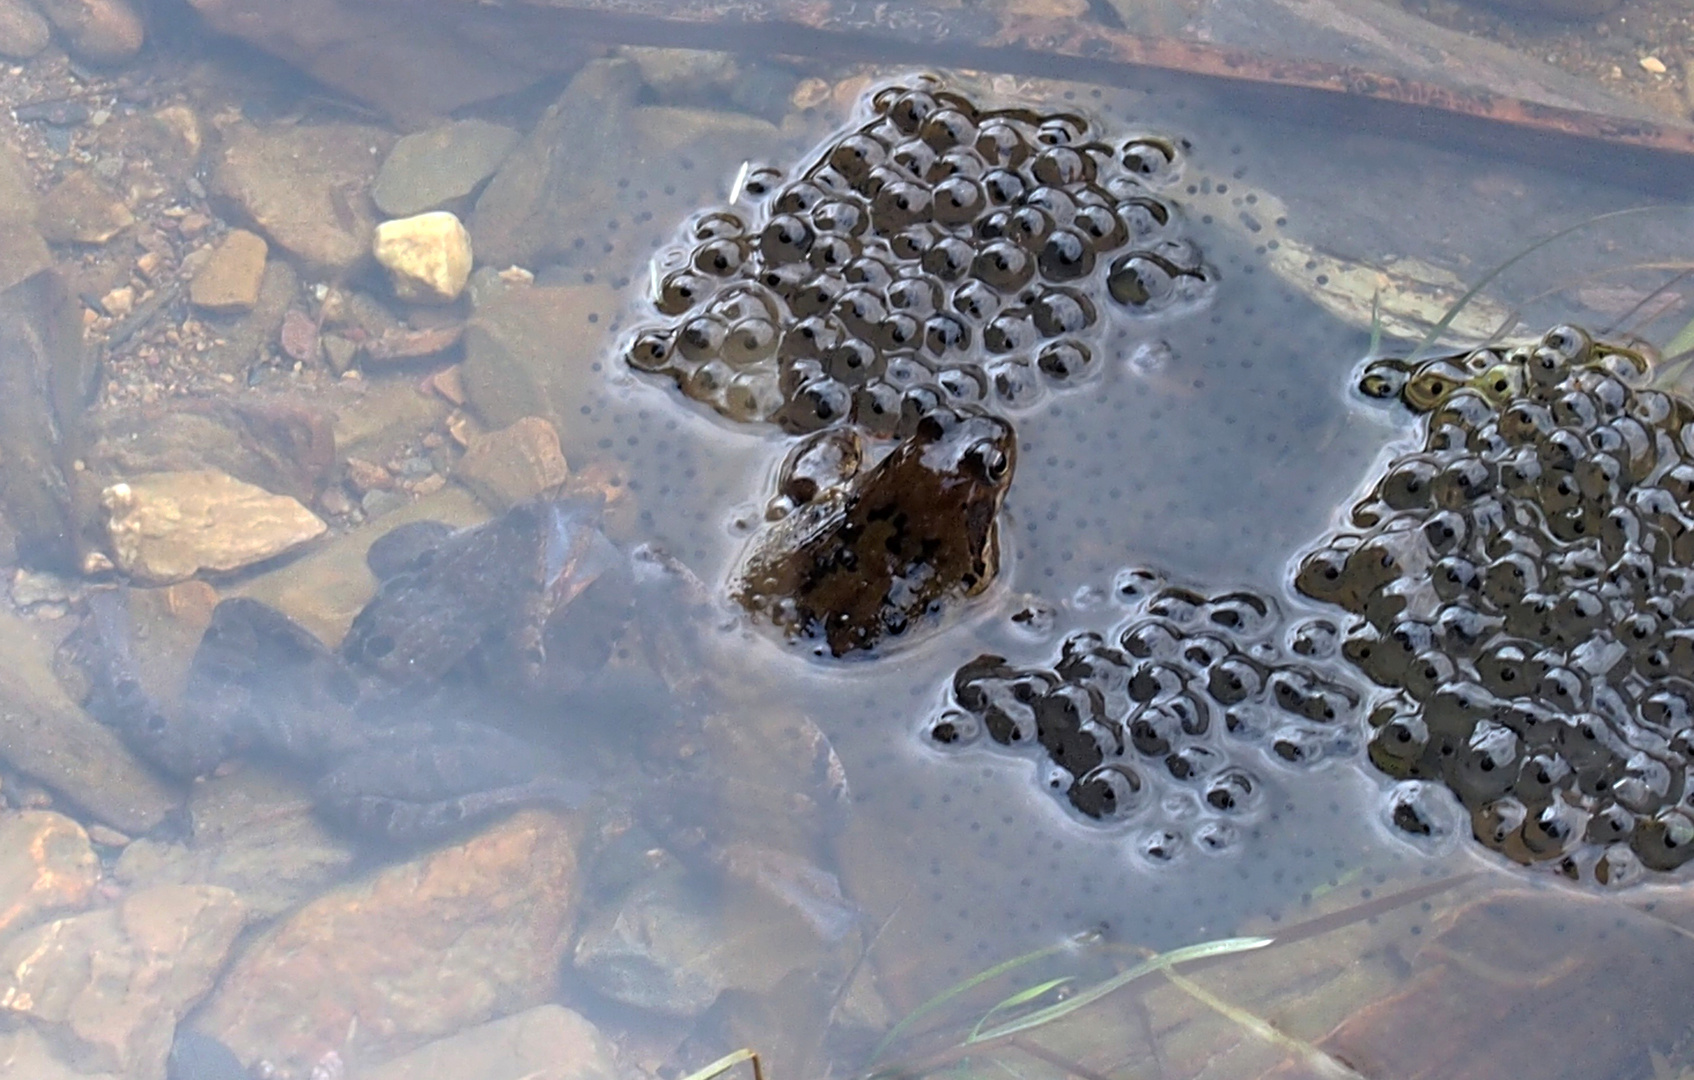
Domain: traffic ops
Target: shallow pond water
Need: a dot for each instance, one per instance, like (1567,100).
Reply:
(1214,443)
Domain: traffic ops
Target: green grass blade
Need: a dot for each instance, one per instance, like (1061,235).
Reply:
(969,984)
(1462,302)
(1022,997)
(1051,1013)
(1681,343)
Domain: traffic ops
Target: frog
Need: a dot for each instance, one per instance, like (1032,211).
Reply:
(423,721)
(879,554)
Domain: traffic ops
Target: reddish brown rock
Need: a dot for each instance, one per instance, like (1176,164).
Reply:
(46,865)
(228,281)
(513,464)
(415,952)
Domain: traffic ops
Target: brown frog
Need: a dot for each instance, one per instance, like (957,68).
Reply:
(883,551)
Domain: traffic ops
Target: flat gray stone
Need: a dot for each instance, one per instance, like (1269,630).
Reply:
(433,170)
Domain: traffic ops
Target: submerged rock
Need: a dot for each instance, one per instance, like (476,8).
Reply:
(548,1042)
(100,30)
(518,462)
(253,833)
(46,865)
(23,32)
(427,256)
(23,253)
(167,527)
(44,735)
(306,187)
(81,210)
(417,951)
(530,351)
(228,281)
(438,168)
(109,986)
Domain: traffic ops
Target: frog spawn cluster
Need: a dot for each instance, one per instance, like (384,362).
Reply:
(937,253)
(1155,723)
(1524,583)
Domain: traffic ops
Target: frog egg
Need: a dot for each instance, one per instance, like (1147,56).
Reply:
(1597,477)
(1061,129)
(1065,256)
(680,291)
(817,296)
(854,157)
(944,334)
(786,238)
(801,197)
(1571,344)
(948,259)
(1010,331)
(898,206)
(860,311)
(1383,379)
(908,111)
(839,217)
(1552,828)
(953,729)
(958,201)
(876,408)
(761,180)
(963,385)
(832,254)
(1100,228)
(1432,383)
(1003,187)
(1112,792)
(650,351)
(1002,265)
(869,271)
(910,244)
(960,161)
(914,157)
(750,341)
(1409,485)
(1060,166)
(751,397)
(1001,144)
(1234,680)
(701,338)
(1027,226)
(898,332)
(815,405)
(1149,157)
(1445,531)
(1142,216)
(977,300)
(907,372)
(706,383)
(1575,409)
(1462,482)
(1147,282)
(720,258)
(853,361)
(1065,360)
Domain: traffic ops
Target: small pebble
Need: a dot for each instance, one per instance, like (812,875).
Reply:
(1652,64)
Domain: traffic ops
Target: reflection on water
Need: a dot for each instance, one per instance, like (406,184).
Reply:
(645,833)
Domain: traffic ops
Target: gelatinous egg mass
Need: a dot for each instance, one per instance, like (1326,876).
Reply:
(939,249)
(1155,723)
(1523,585)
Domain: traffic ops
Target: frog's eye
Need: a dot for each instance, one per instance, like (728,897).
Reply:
(989,461)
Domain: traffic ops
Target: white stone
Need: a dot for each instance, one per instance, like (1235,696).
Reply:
(427,256)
